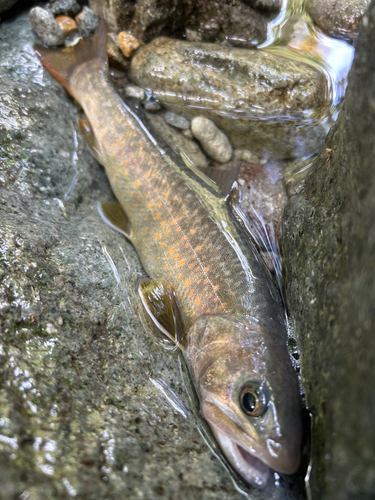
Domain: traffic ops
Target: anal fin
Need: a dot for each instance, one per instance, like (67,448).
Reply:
(159,300)
(113,214)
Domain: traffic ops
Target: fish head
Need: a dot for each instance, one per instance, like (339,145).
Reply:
(248,394)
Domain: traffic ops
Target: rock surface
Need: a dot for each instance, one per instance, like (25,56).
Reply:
(83,386)
(256,98)
(6,4)
(46,27)
(338,18)
(229,20)
(212,140)
(329,251)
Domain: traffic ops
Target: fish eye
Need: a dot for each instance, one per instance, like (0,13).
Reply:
(253,400)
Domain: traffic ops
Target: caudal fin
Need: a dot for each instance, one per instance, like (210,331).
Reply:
(63,62)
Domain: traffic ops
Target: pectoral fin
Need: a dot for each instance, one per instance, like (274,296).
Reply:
(113,214)
(89,136)
(159,300)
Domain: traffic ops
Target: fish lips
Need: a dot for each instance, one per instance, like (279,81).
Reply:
(251,459)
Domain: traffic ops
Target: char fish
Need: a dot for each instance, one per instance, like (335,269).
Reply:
(208,289)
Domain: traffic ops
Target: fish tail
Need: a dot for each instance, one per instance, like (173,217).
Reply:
(62,63)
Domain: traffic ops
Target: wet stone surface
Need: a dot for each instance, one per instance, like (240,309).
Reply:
(329,257)
(339,18)
(255,97)
(82,410)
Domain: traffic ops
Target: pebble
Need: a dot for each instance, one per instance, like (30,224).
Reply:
(114,55)
(248,157)
(213,141)
(176,120)
(45,26)
(188,133)
(67,24)
(69,7)
(136,92)
(177,141)
(87,20)
(151,105)
(127,43)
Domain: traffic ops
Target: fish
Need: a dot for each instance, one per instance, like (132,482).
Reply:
(208,290)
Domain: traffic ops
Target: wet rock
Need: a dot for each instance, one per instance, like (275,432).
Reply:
(6,4)
(247,156)
(329,255)
(87,21)
(212,140)
(177,142)
(135,92)
(151,104)
(115,56)
(223,83)
(67,24)
(45,26)
(127,43)
(269,6)
(338,18)
(176,120)
(188,133)
(68,7)
(214,19)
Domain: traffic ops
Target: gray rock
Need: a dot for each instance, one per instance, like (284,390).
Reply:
(146,19)
(177,142)
(68,7)
(136,92)
(45,26)
(269,6)
(338,18)
(88,21)
(329,250)
(177,121)
(82,410)
(213,141)
(270,96)
(6,4)
(151,105)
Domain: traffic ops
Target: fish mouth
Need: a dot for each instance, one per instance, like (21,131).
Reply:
(251,468)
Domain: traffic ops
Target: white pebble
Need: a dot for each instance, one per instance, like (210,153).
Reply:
(213,141)
(136,92)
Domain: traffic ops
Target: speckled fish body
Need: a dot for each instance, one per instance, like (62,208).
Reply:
(232,328)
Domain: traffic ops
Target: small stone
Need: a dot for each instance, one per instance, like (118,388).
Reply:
(213,141)
(247,156)
(193,36)
(127,43)
(68,7)
(136,92)
(45,26)
(177,141)
(114,55)
(188,133)
(151,105)
(67,24)
(87,20)
(176,120)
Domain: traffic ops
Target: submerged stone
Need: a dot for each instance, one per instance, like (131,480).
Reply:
(262,101)
(46,27)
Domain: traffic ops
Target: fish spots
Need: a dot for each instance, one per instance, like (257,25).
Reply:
(162,244)
(159,205)
(198,248)
(181,262)
(178,230)
(149,204)
(162,223)
(206,269)
(170,251)
(157,216)
(187,283)
(157,236)
(192,231)
(191,265)
(191,293)
(145,218)
(138,195)
(144,230)
(137,183)
(207,311)
(165,267)
(197,301)
(179,276)
(151,257)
